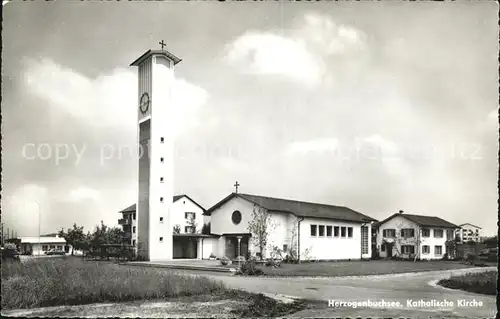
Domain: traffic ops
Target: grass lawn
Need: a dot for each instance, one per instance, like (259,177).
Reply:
(72,281)
(483,283)
(360,268)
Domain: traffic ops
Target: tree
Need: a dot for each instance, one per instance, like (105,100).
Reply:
(177,229)
(491,242)
(106,235)
(260,226)
(206,229)
(74,237)
(192,223)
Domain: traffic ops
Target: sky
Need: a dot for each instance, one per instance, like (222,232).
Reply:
(378,106)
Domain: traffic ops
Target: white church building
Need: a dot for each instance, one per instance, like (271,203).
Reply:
(316,231)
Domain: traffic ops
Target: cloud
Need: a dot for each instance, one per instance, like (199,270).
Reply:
(270,54)
(23,208)
(493,116)
(83,193)
(298,55)
(106,101)
(321,145)
(390,154)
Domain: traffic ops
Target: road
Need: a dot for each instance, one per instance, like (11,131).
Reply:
(400,287)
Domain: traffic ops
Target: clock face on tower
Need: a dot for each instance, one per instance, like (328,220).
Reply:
(144,102)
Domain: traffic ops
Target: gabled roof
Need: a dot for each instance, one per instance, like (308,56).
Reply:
(429,221)
(43,240)
(298,208)
(133,208)
(469,224)
(148,53)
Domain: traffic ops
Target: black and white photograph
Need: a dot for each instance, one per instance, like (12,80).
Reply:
(249,159)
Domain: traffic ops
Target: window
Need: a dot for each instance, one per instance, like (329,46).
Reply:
(59,247)
(236,217)
(450,234)
(321,230)
(389,233)
(52,246)
(407,249)
(285,248)
(382,247)
(329,231)
(438,233)
(349,232)
(336,231)
(161,199)
(407,232)
(161,220)
(364,239)
(426,249)
(161,179)
(314,230)
(45,247)
(134,216)
(426,232)
(133,229)
(438,250)
(189,229)
(162,139)
(161,239)
(342,231)
(133,242)
(189,215)
(161,159)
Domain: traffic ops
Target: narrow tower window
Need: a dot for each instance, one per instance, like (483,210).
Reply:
(161,199)
(161,220)
(162,139)
(161,179)
(161,239)
(161,159)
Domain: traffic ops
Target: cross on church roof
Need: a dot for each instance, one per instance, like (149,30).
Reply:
(163,44)
(236,185)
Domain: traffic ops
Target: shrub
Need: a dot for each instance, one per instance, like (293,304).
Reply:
(290,260)
(212,256)
(275,263)
(10,246)
(240,259)
(224,261)
(249,269)
(470,257)
(483,283)
(72,281)
(261,306)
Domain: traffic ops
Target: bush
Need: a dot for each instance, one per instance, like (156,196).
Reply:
(470,257)
(212,256)
(483,283)
(10,246)
(240,259)
(249,269)
(72,281)
(224,261)
(275,263)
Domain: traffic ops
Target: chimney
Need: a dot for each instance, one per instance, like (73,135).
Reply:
(57,236)
(401,211)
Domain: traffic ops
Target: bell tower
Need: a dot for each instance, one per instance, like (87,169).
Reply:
(156,150)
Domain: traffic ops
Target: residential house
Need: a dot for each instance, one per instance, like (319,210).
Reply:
(468,232)
(414,236)
(186,217)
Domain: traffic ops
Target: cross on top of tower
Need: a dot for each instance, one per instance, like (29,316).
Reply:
(163,44)
(236,185)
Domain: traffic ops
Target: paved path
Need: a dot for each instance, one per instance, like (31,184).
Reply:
(399,287)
